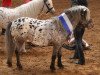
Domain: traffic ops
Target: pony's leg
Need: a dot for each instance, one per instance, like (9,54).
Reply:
(54,54)
(18,59)
(78,33)
(9,57)
(10,50)
(19,44)
(59,58)
(23,48)
(9,45)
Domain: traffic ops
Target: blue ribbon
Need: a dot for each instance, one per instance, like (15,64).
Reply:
(64,24)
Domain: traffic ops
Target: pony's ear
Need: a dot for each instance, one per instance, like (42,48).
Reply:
(67,12)
(85,12)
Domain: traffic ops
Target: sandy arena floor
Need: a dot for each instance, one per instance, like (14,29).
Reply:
(37,60)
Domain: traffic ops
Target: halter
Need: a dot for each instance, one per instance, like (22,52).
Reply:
(49,9)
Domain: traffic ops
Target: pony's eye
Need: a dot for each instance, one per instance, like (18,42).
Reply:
(82,14)
(48,4)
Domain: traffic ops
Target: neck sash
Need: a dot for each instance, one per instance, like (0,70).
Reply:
(66,23)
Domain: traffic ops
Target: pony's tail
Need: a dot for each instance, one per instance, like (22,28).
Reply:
(9,44)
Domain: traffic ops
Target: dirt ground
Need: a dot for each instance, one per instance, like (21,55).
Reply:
(37,60)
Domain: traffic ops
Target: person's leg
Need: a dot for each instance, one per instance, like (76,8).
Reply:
(78,34)
(79,2)
(82,2)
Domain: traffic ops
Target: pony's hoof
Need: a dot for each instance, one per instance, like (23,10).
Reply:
(9,64)
(19,67)
(80,63)
(61,66)
(52,68)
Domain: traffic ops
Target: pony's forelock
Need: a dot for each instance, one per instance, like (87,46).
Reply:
(88,14)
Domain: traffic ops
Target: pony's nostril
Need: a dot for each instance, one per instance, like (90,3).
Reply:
(53,12)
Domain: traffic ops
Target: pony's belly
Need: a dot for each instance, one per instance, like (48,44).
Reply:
(41,40)
(40,43)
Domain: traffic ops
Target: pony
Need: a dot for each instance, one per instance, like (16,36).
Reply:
(72,45)
(44,33)
(83,3)
(31,9)
(79,43)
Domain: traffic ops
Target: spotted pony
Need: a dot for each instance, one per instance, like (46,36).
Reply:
(44,33)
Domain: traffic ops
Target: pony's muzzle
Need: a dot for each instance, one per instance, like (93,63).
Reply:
(52,11)
(90,24)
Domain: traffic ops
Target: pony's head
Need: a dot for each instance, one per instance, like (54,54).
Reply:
(86,20)
(48,6)
(80,15)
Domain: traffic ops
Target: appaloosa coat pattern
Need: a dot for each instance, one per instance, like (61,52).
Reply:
(39,32)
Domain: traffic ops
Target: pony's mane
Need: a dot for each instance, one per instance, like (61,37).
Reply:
(29,7)
(26,4)
(79,9)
